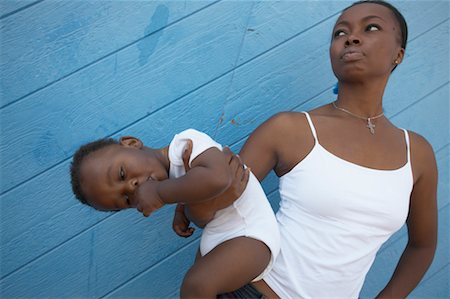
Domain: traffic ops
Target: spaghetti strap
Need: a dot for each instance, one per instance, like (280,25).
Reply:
(408,148)
(311,125)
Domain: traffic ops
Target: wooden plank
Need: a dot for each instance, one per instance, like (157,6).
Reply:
(428,117)
(55,38)
(162,280)
(9,7)
(35,220)
(386,260)
(98,260)
(438,287)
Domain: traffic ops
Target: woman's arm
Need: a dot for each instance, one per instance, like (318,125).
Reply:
(260,151)
(421,223)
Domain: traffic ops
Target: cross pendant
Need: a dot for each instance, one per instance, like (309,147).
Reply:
(371,126)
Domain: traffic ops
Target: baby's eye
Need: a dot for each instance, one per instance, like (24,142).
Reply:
(127,199)
(339,33)
(373,27)
(121,173)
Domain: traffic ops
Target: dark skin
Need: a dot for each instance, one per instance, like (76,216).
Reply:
(130,175)
(364,50)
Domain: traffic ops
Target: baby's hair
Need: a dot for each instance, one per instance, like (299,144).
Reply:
(78,158)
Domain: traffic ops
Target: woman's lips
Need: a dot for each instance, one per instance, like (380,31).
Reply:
(352,56)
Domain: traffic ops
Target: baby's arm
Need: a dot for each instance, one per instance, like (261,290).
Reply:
(208,177)
(181,223)
(203,212)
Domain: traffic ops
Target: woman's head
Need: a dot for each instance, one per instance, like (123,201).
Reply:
(369,40)
(403,38)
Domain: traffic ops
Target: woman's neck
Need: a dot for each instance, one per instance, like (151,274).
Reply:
(361,99)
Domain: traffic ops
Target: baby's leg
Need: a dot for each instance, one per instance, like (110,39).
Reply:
(227,267)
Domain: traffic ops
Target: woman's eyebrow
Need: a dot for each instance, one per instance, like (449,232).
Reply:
(347,23)
(372,17)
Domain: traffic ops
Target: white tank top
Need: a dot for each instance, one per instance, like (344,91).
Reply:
(334,215)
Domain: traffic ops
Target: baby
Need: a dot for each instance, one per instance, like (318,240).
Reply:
(239,242)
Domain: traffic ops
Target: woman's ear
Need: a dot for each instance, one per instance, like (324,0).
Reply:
(131,141)
(400,55)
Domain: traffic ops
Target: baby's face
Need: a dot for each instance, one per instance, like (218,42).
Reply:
(109,176)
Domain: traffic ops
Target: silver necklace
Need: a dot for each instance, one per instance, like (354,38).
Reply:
(370,124)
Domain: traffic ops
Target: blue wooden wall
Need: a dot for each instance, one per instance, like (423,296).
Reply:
(74,71)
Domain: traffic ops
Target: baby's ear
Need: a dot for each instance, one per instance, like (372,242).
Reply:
(131,141)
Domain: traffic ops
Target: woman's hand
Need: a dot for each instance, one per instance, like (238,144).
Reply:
(239,183)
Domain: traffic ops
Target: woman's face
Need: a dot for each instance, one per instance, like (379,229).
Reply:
(365,43)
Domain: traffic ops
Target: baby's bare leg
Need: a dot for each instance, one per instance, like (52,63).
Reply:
(227,267)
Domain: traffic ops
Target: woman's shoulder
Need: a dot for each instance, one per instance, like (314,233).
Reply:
(422,155)
(282,126)
(287,118)
(420,145)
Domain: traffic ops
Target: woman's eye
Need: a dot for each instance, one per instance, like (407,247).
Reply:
(121,173)
(372,27)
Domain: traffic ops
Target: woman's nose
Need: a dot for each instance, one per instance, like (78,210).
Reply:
(352,40)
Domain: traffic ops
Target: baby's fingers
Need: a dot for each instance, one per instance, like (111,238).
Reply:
(183,232)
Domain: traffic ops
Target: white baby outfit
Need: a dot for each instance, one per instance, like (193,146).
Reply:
(334,215)
(250,215)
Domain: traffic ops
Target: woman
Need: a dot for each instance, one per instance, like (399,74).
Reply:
(348,177)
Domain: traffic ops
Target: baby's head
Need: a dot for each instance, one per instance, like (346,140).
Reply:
(106,172)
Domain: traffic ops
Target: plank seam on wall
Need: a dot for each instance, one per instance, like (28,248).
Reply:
(151,267)
(172,102)
(435,273)
(42,255)
(430,29)
(440,269)
(442,148)
(19,9)
(106,55)
(291,109)
(419,100)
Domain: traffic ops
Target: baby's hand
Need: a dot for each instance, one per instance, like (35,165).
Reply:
(181,223)
(147,199)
